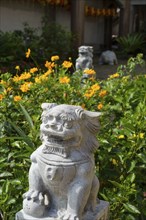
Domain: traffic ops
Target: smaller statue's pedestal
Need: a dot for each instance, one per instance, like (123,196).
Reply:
(101,213)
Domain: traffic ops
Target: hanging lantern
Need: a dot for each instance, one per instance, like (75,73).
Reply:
(58,2)
(93,11)
(87,10)
(103,12)
(113,12)
(109,13)
(98,12)
(66,2)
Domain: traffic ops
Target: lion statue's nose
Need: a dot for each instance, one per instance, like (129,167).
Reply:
(54,126)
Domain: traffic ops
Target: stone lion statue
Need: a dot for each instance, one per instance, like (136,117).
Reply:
(108,57)
(62,183)
(84,60)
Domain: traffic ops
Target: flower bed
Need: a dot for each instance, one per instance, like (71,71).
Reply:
(121,158)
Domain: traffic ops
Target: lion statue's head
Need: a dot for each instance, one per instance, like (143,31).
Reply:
(65,128)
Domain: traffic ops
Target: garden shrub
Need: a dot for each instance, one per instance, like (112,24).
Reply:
(132,43)
(121,157)
(51,39)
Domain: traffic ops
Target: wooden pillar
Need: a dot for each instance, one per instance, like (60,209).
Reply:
(126,17)
(108,33)
(77,21)
(121,21)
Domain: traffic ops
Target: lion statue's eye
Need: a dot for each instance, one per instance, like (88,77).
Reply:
(68,124)
(45,120)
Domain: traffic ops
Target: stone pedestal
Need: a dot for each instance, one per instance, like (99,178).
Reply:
(101,213)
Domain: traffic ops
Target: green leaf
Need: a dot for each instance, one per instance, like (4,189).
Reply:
(131,177)
(131,208)
(22,134)
(11,201)
(132,166)
(104,197)
(116,183)
(142,157)
(130,217)
(5,174)
(27,116)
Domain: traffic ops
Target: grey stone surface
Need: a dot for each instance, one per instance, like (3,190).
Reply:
(84,61)
(62,183)
(108,57)
(101,213)
(85,58)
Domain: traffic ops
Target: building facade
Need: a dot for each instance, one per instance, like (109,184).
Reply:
(93,21)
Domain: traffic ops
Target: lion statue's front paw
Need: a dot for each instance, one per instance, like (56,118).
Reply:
(34,195)
(69,216)
(34,203)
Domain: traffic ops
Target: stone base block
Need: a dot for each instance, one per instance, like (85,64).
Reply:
(101,213)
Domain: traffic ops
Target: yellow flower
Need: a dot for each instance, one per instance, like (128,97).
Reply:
(25,87)
(3,82)
(17,98)
(28,53)
(48,72)
(102,93)
(5,91)
(114,162)
(1,97)
(95,87)
(49,65)
(100,106)
(121,136)
(141,135)
(67,64)
(16,78)
(9,89)
(24,76)
(54,58)
(89,71)
(41,78)
(83,106)
(64,80)
(92,78)
(115,75)
(17,67)
(89,93)
(37,79)
(33,70)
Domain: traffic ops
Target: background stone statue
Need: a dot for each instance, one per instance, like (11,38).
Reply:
(84,61)
(62,183)
(85,58)
(108,57)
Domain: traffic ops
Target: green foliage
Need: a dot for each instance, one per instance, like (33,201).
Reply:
(121,157)
(51,39)
(11,47)
(132,43)
(55,39)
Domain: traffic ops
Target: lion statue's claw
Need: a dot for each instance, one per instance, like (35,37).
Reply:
(34,195)
(70,216)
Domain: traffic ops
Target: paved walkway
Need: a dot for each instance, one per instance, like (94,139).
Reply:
(103,71)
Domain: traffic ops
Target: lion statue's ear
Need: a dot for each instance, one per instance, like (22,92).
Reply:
(47,106)
(79,112)
(92,120)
